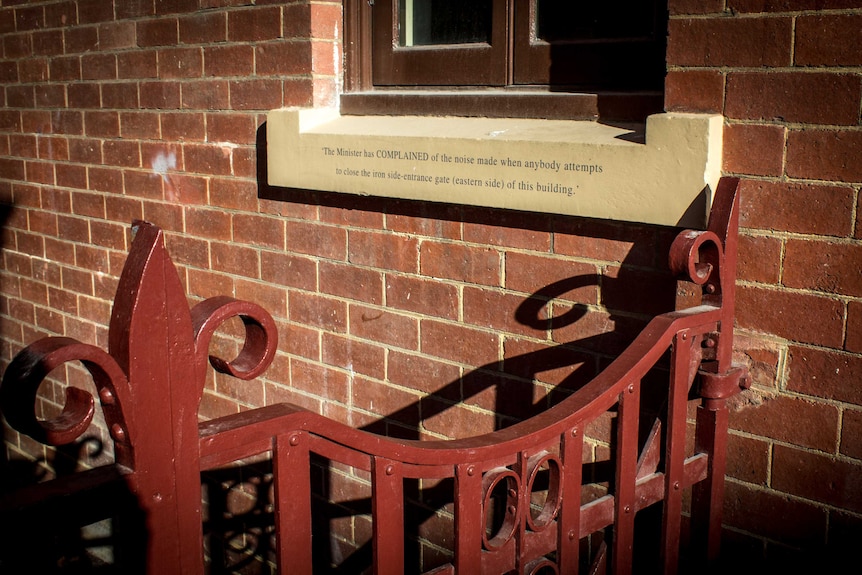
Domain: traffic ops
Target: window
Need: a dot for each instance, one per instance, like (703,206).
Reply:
(551,58)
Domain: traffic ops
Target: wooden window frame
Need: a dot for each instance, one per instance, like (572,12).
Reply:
(454,96)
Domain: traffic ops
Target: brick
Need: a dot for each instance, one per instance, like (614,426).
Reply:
(271,298)
(203,28)
(137,65)
(825,155)
(39,172)
(43,223)
(421,295)
(50,96)
(102,124)
(754,149)
(182,126)
(208,223)
(818,477)
(815,98)
(160,95)
(207,159)
(258,230)
(329,242)
(424,374)
(83,95)
(96,66)
(756,511)
(383,250)
(358,284)
(285,58)
(456,421)
(169,217)
(180,63)
(33,70)
(30,18)
(78,40)
(230,60)
(53,148)
(384,400)
(823,266)
(88,205)
(825,373)
(119,35)
(842,49)
(123,209)
(747,459)
(384,326)
(722,41)
(65,69)
(297,21)
(299,340)
(135,9)
(317,311)
(851,434)
(638,291)
(699,91)
(477,265)
(499,311)
(797,208)
(854,327)
(255,94)
(550,277)
(298,92)
(17,45)
(815,424)
(354,356)
(425,219)
(207,95)
(233,259)
(459,343)
(233,194)
(508,229)
(48,43)
(254,25)
(61,14)
(799,317)
(759,259)
(139,125)
(288,270)
(237,128)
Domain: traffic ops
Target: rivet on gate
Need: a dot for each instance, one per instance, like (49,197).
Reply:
(294,439)
(574,433)
(627,509)
(676,485)
(117,432)
(107,396)
(631,388)
(471,471)
(572,535)
(390,469)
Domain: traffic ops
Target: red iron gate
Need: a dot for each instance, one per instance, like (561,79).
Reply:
(151,379)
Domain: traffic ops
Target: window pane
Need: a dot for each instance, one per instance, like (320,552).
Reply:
(567,20)
(430,22)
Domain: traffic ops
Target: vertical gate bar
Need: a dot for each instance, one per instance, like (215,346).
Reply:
(626,474)
(468,519)
(387,515)
(569,528)
(708,495)
(292,502)
(675,453)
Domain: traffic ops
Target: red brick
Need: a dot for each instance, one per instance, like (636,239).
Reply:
(203,28)
(747,459)
(50,96)
(236,128)
(48,43)
(123,209)
(297,21)
(39,172)
(456,421)
(109,235)
(756,510)
(254,25)
(83,95)
(65,69)
(230,60)
(354,356)
(299,340)
(750,6)
(308,238)
(358,284)
(180,63)
(552,277)
(317,311)
(823,266)
(206,95)
(854,327)
(137,65)
(22,96)
(160,95)
(207,159)
(298,92)
(818,477)
(425,374)
(167,216)
(139,125)
(459,343)
(842,30)
(233,194)
(385,400)
(285,58)
(759,259)
(817,98)
(722,41)
(53,148)
(478,265)
(118,35)
(17,45)
(825,155)
(122,153)
(694,91)
(182,126)
(258,230)
(384,326)
(499,311)
(234,259)
(95,66)
(799,317)
(30,18)
(815,424)
(515,230)
(102,124)
(638,291)
(288,270)
(78,40)
(826,374)
(208,223)
(427,219)
(754,149)
(88,205)
(255,94)
(383,250)
(134,9)
(797,208)
(271,298)
(851,434)
(421,295)
(61,14)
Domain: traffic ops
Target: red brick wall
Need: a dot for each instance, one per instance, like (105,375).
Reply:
(154,109)
(785,74)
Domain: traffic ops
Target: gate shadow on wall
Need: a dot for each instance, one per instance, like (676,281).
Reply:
(238,526)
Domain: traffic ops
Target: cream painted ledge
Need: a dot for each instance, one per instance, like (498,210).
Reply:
(563,167)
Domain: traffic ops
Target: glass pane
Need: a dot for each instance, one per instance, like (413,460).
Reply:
(429,22)
(562,20)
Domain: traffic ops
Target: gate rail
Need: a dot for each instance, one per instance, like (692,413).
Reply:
(151,380)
